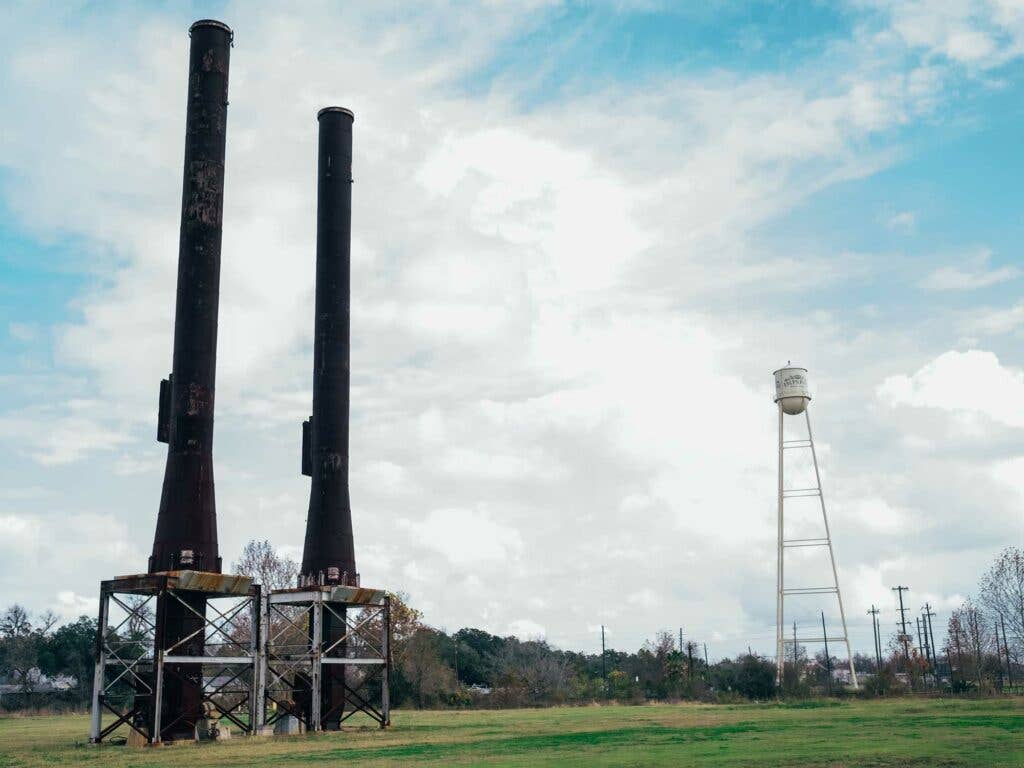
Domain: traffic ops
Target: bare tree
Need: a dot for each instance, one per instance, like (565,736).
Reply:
(19,648)
(142,616)
(266,566)
(15,622)
(1002,593)
(971,638)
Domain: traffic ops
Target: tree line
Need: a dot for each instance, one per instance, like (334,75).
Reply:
(42,663)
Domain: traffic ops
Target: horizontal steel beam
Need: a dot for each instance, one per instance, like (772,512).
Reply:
(224,660)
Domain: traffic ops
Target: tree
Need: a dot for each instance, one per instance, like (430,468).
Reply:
(756,677)
(431,680)
(15,622)
(532,672)
(266,566)
(70,650)
(971,638)
(19,648)
(1002,592)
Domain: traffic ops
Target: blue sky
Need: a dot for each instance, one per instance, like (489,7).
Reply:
(584,236)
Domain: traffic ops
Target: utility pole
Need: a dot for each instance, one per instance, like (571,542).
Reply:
(904,637)
(796,672)
(828,658)
(959,658)
(680,641)
(878,645)
(928,653)
(1006,647)
(707,664)
(926,617)
(999,655)
(921,648)
(928,614)
(604,671)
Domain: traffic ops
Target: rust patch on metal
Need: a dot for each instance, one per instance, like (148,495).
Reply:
(198,399)
(205,193)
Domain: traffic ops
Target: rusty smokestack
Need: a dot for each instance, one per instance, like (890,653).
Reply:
(328,556)
(186,529)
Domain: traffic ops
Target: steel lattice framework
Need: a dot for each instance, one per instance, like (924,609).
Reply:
(785,544)
(264,656)
(300,663)
(136,656)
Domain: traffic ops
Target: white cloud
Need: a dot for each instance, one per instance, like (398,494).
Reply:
(978,33)
(972,274)
(965,382)
(997,321)
(467,537)
(527,629)
(54,435)
(903,221)
(70,605)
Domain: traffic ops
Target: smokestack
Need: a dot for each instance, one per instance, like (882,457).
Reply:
(186,528)
(328,556)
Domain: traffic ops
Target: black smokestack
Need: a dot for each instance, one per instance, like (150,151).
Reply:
(186,528)
(328,556)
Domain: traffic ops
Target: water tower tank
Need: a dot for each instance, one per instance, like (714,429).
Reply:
(791,389)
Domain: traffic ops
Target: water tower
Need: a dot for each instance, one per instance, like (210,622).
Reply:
(793,398)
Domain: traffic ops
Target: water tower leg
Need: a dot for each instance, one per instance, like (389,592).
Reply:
(780,582)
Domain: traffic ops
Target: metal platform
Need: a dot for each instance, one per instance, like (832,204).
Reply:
(135,657)
(324,656)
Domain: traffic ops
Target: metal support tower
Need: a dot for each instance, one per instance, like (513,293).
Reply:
(138,657)
(301,668)
(782,590)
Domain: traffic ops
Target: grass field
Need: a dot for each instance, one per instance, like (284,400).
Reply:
(905,732)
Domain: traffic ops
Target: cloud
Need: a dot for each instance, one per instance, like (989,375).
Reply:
(972,382)
(904,221)
(70,605)
(527,629)
(997,321)
(26,332)
(977,33)
(466,537)
(63,434)
(973,274)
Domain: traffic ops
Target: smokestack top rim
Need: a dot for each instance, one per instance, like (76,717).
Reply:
(343,110)
(212,23)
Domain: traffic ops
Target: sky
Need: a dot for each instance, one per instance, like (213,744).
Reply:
(584,236)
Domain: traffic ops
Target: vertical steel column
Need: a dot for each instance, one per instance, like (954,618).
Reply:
(159,641)
(100,674)
(254,653)
(316,646)
(260,673)
(385,683)
(780,644)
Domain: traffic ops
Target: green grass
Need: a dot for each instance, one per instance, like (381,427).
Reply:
(900,732)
